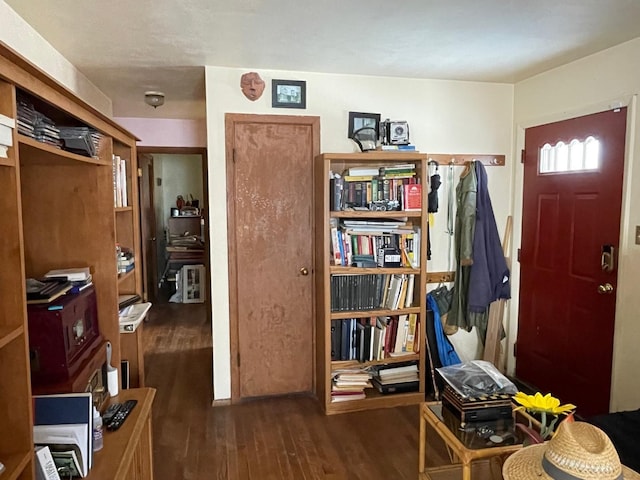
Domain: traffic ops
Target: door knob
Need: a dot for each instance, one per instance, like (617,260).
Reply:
(605,288)
(304,271)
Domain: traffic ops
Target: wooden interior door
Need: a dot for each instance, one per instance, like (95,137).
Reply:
(567,300)
(270,205)
(148,227)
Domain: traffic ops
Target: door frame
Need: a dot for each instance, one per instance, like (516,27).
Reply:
(231,119)
(205,202)
(150,292)
(517,199)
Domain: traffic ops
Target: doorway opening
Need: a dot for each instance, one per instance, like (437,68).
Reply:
(174,224)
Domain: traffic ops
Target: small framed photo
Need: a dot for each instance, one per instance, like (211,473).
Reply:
(193,290)
(358,120)
(289,94)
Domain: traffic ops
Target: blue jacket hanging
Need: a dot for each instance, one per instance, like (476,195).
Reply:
(446,352)
(489,278)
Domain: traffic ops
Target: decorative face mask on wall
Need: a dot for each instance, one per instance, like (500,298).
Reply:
(252,85)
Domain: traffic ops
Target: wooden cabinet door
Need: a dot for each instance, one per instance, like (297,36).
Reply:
(270,205)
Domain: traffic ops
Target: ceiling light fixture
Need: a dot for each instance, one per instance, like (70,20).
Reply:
(154,99)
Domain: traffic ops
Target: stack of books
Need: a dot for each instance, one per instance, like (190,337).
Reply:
(126,260)
(398,148)
(397,378)
(64,423)
(350,385)
(79,278)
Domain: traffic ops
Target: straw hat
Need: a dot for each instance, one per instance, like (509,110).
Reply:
(577,451)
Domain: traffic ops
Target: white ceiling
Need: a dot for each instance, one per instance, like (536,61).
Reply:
(126,47)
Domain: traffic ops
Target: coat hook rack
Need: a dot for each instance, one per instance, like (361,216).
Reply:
(455,159)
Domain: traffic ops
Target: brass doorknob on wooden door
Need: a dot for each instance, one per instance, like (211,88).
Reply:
(304,271)
(605,288)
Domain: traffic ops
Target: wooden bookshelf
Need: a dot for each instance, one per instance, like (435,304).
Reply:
(325,269)
(58,212)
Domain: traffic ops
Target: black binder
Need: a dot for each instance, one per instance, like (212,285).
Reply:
(336,339)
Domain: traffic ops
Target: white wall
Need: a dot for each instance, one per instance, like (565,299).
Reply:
(166,132)
(587,86)
(181,175)
(24,40)
(444,117)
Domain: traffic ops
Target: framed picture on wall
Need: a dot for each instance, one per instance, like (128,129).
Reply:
(288,93)
(359,120)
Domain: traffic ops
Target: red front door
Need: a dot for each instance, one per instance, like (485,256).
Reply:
(571,216)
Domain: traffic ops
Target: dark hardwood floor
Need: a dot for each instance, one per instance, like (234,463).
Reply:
(275,438)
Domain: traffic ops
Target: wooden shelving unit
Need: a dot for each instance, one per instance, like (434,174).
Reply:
(58,212)
(324,270)
(127,224)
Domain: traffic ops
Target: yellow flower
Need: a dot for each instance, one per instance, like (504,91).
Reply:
(546,404)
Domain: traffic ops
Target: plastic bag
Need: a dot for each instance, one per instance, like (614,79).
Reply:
(477,378)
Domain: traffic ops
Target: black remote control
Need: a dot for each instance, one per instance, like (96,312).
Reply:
(121,415)
(110,412)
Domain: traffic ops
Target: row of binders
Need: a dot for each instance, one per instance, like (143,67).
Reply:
(388,291)
(375,338)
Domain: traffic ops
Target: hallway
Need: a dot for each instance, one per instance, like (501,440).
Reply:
(276,438)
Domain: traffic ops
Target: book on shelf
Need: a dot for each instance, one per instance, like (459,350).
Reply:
(397,378)
(396,387)
(64,422)
(336,248)
(45,291)
(336,187)
(359,178)
(336,339)
(398,148)
(347,396)
(408,302)
(46,468)
(400,342)
(360,171)
(120,181)
(371,188)
(412,197)
(388,371)
(349,385)
(77,274)
(374,338)
(411,332)
(401,334)
(345,338)
(66,460)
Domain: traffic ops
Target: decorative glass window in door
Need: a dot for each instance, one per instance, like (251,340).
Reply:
(575,156)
